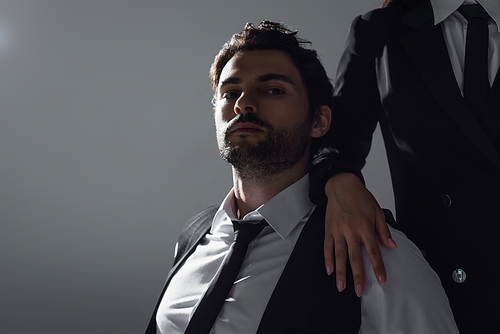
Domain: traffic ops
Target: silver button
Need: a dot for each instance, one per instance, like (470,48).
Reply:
(446,200)
(459,275)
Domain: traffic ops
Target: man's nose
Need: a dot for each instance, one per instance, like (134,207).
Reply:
(246,103)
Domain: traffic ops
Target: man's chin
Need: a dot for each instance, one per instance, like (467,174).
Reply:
(243,141)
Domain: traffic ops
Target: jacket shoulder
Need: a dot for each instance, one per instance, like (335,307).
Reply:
(193,222)
(399,12)
(381,16)
(196,227)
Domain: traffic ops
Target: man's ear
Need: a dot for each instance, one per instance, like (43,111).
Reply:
(321,122)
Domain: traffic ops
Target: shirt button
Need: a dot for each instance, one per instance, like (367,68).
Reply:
(459,275)
(446,200)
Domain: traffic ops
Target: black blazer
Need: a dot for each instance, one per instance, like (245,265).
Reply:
(305,299)
(444,166)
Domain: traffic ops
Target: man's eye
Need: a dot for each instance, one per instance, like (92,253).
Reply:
(230,95)
(275,91)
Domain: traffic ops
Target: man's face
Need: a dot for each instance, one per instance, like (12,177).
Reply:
(261,113)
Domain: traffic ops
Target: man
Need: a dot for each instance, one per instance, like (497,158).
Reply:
(272,101)
(410,66)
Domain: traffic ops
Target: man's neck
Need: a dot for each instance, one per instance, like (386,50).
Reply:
(251,194)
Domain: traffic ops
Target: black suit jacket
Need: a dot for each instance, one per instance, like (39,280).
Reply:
(305,299)
(444,166)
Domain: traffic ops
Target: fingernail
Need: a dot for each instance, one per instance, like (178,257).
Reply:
(329,270)
(392,243)
(381,279)
(358,290)
(340,285)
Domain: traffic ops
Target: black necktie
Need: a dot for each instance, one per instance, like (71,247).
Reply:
(209,307)
(476,85)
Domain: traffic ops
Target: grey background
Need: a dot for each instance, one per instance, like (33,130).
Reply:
(107,147)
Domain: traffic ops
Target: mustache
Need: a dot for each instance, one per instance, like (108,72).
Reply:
(248,118)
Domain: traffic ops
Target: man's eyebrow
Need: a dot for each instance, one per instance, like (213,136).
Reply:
(230,81)
(262,78)
(275,76)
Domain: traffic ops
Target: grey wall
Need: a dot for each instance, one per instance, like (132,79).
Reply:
(107,147)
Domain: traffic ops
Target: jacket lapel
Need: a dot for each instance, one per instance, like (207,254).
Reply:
(491,120)
(194,230)
(426,47)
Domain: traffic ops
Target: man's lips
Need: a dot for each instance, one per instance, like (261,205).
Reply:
(245,127)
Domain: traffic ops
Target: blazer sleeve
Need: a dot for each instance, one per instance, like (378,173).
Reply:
(356,102)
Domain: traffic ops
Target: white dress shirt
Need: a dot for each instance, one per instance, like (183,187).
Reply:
(266,258)
(454,27)
(412,300)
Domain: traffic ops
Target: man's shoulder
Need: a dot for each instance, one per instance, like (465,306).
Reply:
(405,265)
(203,214)
(381,16)
(195,228)
(202,220)
(376,26)
(412,297)
(396,13)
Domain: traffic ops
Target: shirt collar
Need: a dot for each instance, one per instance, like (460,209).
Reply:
(282,212)
(444,8)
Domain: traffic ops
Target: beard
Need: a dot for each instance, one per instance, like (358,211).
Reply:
(279,151)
